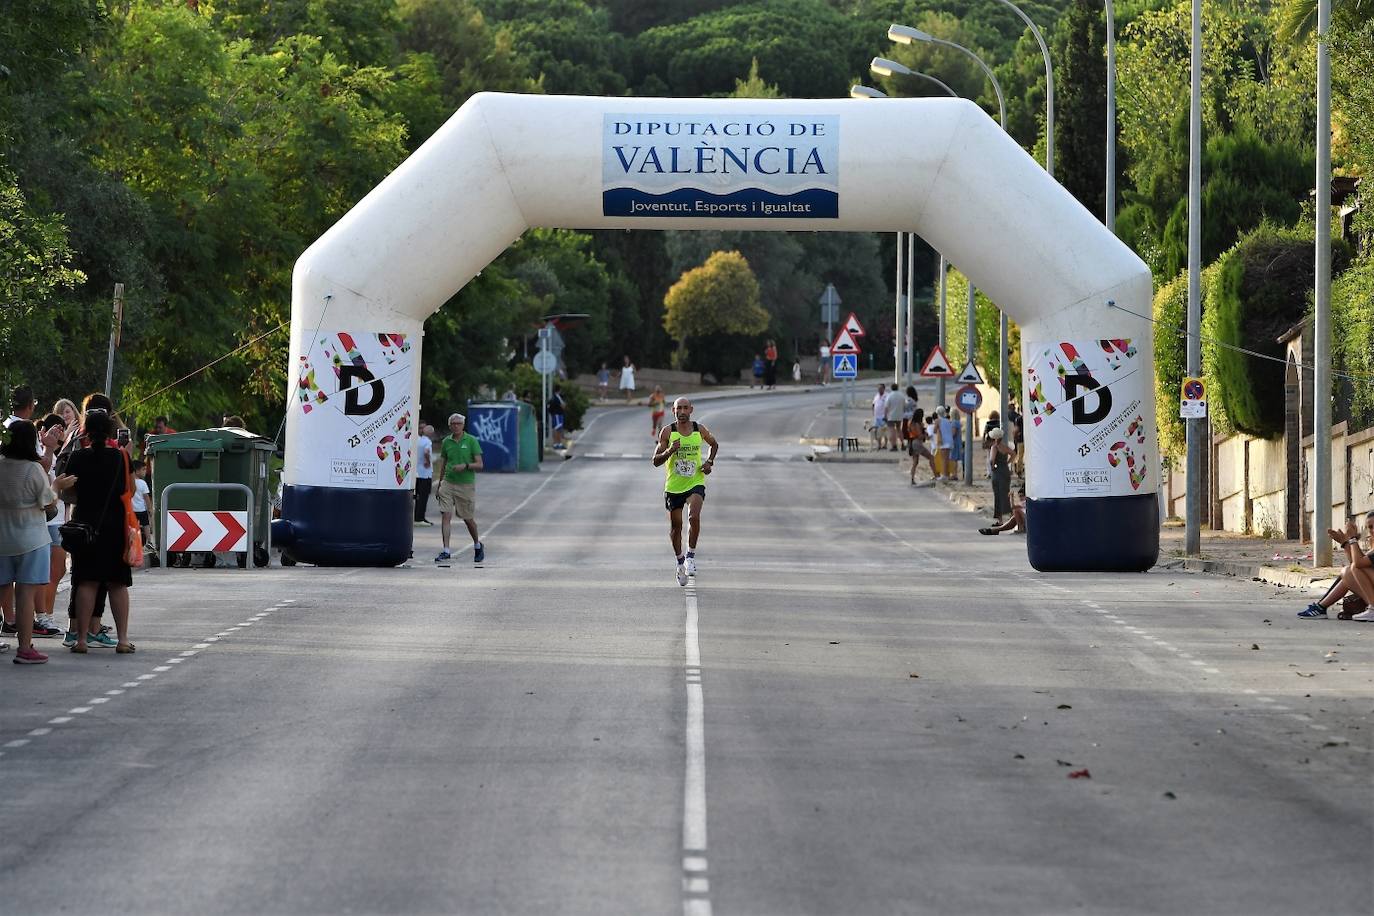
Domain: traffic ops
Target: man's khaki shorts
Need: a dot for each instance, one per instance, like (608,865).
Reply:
(458,498)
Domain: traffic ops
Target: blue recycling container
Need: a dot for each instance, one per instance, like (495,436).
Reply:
(507,431)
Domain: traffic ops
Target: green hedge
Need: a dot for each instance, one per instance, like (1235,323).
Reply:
(1171,362)
(1352,331)
(1258,289)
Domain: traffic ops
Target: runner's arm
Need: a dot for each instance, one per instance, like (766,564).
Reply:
(710,440)
(664,450)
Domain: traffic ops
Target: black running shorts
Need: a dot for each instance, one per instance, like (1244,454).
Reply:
(674,502)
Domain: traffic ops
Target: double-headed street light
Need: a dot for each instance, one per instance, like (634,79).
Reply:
(906,35)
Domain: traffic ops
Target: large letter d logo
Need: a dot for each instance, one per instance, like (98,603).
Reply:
(352,405)
(1080,414)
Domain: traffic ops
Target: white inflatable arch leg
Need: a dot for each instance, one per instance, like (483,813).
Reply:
(937,167)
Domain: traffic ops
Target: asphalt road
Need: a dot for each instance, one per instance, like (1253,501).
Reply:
(857,708)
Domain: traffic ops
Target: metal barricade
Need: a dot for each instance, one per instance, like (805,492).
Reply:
(165,508)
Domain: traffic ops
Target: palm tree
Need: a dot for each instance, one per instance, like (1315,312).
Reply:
(1298,20)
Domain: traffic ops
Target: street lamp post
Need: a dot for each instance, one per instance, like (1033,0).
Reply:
(1321,325)
(1109,216)
(1196,427)
(906,35)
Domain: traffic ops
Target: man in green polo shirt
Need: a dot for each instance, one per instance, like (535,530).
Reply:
(460,456)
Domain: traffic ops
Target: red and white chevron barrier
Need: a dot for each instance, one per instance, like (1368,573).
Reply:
(207,531)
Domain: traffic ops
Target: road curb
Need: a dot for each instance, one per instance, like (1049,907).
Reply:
(1260,572)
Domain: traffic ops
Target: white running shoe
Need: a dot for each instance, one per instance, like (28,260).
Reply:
(691,564)
(681,574)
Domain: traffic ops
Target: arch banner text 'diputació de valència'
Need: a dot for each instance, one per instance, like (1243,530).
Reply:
(506,163)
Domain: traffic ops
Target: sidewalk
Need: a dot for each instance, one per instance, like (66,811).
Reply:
(1278,562)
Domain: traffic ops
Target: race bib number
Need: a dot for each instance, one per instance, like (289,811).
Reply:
(685,467)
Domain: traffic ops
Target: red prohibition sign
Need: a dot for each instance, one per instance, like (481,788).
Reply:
(1192,390)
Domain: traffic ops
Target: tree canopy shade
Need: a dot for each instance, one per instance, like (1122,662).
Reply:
(34,267)
(807,46)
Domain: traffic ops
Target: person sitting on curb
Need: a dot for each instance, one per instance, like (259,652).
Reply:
(1017,520)
(1356,577)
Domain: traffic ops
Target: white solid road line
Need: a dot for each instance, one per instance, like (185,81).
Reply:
(696,888)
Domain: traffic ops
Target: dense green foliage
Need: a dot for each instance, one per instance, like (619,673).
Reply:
(192,150)
(987,334)
(1257,290)
(1171,362)
(1352,333)
(709,309)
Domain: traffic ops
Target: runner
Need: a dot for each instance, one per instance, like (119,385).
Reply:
(679,446)
(656,409)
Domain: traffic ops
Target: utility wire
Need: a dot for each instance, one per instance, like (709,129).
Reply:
(308,343)
(123,408)
(1183,332)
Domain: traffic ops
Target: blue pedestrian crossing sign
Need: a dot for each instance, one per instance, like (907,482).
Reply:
(844,365)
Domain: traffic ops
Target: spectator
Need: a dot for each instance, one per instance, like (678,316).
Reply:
(67,411)
(916,445)
(460,456)
(770,365)
(1357,576)
(603,382)
(909,411)
(879,417)
(894,403)
(232,421)
(93,404)
(424,474)
(944,443)
(932,441)
(25,498)
(160,428)
(22,404)
(101,481)
(1017,521)
(796,370)
(1000,470)
(140,498)
(627,380)
(557,414)
(52,431)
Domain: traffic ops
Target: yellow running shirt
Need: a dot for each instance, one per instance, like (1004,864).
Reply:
(684,466)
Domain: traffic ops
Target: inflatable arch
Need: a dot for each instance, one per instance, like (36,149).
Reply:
(938,167)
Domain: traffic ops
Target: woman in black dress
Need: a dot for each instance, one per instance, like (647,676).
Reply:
(101,479)
(998,455)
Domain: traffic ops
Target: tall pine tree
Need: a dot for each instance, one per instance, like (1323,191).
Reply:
(1080,95)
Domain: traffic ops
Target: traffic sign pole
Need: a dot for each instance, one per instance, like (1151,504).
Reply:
(844,420)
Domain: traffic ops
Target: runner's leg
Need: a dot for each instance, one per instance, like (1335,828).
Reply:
(675,531)
(694,504)
(472,530)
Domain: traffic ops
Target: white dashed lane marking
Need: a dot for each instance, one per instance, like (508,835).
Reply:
(185,655)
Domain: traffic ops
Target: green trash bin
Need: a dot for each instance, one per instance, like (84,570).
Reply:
(224,455)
